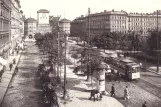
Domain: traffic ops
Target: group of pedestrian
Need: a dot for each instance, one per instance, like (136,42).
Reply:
(126,94)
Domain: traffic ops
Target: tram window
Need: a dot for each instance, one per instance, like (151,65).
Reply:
(134,70)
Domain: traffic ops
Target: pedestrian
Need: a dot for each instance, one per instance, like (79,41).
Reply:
(14,61)
(112,91)
(16,69)
(17,51)
(140,65)
(10,66)
(144,104)
(1,72)
(126,93)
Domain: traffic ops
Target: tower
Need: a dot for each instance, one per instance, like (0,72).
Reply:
(43,21)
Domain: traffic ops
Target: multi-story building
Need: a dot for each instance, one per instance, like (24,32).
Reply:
(30,27)
(43,21)
(16,24)
(116,21)
(5,20)
(64,25)
(78,27)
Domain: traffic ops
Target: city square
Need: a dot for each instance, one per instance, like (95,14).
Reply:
(79,58)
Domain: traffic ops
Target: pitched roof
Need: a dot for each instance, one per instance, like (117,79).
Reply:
(42,11)
(30,20)
(65,20)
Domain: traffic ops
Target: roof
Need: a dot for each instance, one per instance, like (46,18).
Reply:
(65,20)
(42,11)
(30,20)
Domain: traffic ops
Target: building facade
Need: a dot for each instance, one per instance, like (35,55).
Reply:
(43,21)
(78,27)
(5,21)
(115,21)
(16,24)
(30,27)
(64,26)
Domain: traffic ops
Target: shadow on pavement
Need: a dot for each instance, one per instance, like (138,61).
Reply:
(83,98)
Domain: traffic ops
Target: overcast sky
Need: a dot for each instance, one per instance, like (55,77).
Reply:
(75,8)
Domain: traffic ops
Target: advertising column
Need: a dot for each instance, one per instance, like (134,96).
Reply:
(101,81)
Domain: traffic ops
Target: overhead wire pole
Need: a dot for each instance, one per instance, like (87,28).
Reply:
(158,43)
(58,52)
(89,43)
(64,96)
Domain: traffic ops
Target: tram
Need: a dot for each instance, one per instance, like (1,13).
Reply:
(125,66)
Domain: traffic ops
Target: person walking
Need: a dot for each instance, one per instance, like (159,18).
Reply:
(10,66)
(144,104)
(112,91)
(140,65)
(126,93)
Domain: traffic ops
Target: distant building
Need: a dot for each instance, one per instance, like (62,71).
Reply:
(64,26)
(5,22)
(43,21)
(30,27)
(115,21)
(78,27)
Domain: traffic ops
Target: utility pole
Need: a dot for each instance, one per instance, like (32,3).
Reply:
(158,43)
(64,96)
(89,36)
(58,51)
(89,43)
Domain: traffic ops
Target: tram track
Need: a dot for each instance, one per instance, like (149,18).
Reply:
(149,87)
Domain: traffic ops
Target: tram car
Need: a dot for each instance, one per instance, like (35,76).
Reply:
(125,66)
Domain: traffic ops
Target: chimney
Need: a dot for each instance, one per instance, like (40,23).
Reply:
(82,15)
(105,10)
(113,10)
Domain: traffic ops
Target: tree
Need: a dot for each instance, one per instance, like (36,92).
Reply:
(54,24)
(111,40)
(152,40)
(89,61)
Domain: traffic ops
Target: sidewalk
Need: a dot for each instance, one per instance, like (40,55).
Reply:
(7,75)
(78,92)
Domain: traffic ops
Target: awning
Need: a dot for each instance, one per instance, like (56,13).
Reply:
(3,61)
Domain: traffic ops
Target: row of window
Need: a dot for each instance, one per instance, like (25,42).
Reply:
(4,11)
(4,25)
(43,18)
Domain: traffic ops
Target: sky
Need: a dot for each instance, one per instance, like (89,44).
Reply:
(71,9)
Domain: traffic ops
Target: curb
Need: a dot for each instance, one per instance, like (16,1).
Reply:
(11,78)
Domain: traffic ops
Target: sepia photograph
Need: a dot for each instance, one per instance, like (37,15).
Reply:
(80,53)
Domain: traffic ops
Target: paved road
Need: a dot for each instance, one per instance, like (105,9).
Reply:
(25,89)
(147,88)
